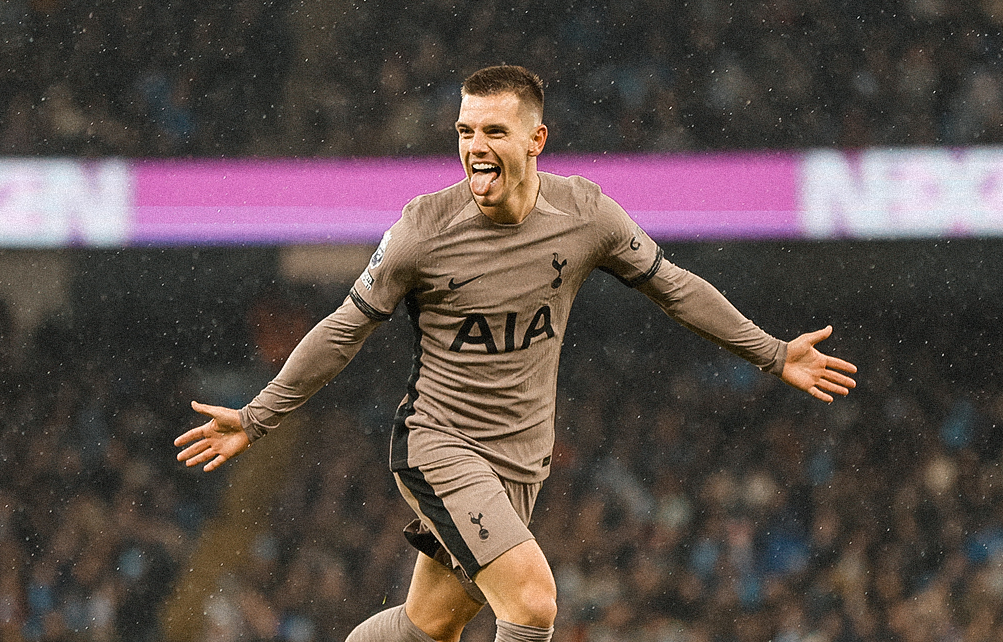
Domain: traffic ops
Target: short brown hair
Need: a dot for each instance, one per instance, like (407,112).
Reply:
(501,79)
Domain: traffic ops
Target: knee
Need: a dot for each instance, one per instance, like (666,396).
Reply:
(520,587)
(544,611)
(537,604)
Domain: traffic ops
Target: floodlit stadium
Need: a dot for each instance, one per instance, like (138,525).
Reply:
(186,189)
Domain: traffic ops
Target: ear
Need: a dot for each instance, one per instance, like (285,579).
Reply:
(537,140)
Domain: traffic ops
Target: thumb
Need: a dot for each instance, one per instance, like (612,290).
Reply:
(206,409)
(819,335)
(226,419)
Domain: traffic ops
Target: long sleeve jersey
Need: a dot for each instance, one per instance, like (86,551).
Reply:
(489,304)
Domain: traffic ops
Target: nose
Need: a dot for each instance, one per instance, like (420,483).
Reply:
(479,143)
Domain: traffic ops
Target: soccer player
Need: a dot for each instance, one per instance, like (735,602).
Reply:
(488,269)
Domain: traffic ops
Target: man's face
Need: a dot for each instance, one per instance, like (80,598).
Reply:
(499,141)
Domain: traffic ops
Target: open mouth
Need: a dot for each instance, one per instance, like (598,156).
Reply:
(483,175)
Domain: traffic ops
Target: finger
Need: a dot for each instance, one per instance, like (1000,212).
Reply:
(190,435)
(193,451)
(191,462)
(839,364)
(200,458)
(215,463)
(818,394)
(832,387)
(841,379)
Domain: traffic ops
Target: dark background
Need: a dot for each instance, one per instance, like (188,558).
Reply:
(692,498)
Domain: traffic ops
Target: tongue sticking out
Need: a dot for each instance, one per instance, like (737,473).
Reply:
(480,182)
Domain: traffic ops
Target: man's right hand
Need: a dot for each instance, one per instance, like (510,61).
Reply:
(816,373)
(215,441)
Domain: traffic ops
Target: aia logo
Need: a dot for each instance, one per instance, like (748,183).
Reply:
(476,521)
(476,330)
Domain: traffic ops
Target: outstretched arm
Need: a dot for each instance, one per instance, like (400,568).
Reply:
(215,441)
(700,307)
(318,358)
(817,374)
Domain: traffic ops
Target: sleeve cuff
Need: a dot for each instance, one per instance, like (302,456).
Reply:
(777,366)
(253,430)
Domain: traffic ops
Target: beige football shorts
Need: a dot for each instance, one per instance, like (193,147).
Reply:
(467,515)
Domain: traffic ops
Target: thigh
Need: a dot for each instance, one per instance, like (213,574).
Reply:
(520,586)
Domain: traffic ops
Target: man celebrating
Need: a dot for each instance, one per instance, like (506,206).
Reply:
(488,269)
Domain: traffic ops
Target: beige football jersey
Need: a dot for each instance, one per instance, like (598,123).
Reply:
(489,303)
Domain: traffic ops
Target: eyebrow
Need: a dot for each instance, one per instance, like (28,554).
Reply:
(487,127)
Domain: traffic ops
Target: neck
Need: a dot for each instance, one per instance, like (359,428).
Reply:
(518,206)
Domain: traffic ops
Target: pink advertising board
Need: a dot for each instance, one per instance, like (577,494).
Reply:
(279,201)
(698,196)
(817,194)
(290,201)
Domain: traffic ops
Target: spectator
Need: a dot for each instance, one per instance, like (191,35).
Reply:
(739,513)
(280,78)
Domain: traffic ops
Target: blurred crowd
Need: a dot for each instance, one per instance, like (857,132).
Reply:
(93,523)
(373,78)
(692,498)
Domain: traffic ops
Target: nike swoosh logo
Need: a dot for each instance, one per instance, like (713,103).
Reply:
(453,285)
